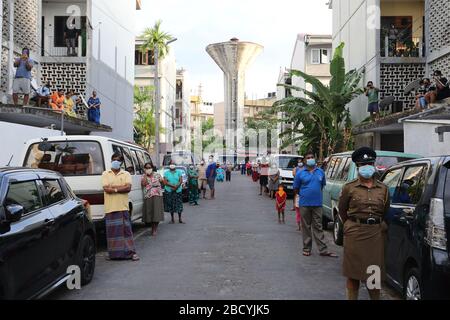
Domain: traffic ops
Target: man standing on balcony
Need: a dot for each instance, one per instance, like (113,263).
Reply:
(22,80)
(94,104)
(70,36)
(373,94)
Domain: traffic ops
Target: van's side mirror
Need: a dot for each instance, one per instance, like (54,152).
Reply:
(14,213)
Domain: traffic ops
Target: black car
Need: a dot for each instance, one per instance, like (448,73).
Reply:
(44,229)
(417,248)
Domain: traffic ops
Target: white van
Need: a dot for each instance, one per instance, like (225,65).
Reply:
(286,164)
(82,160)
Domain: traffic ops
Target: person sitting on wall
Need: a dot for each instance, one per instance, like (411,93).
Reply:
(421,101)
(42,95)
(94,105)
(57,100)
(440,90)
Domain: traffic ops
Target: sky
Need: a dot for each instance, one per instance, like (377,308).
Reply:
(198,23)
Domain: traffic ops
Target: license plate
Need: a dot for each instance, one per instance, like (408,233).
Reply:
(290,187)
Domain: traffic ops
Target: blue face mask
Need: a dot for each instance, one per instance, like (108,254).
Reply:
(115,165)
(367,172)
(311,162)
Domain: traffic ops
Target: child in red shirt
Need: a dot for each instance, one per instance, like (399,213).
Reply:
(281,198)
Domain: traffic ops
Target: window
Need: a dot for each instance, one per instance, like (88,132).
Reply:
(338,173)
(412,186)
(139,168)
(60,27)
(128,162)
(147,158)
(70,158)
(331,167)
(315,56)
(144,58)
(337,169)
(320,56)
(141,159)
(447,190)
(391,180)
(25,194)
(53,191)
(346,169)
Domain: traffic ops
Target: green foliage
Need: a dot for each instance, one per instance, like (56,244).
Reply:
(320,121)
(144,121)
(155,37)
(254,126)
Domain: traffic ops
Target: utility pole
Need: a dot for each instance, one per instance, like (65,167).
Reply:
(157,106)
(158,101)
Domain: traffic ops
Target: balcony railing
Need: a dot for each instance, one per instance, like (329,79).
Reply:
(52,51)
(414,47)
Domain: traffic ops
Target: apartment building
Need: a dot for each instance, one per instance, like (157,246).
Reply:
(102,60)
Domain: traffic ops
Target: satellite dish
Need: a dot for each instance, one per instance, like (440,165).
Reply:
(413,86)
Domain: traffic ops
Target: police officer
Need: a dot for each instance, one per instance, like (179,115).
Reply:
(362,206)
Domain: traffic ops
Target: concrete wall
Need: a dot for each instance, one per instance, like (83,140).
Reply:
(14,138)
(111,62)
(355,24)
(421,137)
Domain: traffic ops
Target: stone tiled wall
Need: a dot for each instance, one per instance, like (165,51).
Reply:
(395,77)
(26,24)
(438,17)
(66,76)
(442,64)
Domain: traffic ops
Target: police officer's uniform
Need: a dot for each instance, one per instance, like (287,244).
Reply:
(363,210)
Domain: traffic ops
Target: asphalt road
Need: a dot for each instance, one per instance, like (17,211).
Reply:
(230,248)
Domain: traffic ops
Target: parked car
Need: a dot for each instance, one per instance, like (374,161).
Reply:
(286,164)
(417,249)
(44,229)
(82,161)
(185,186)
(341,170)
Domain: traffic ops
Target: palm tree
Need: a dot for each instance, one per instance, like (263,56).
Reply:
(321,118)
(144,121)
(155,37)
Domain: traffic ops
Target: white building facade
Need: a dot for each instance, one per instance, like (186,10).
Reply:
(104,51)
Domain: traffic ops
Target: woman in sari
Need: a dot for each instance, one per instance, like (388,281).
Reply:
(153,213)
(193,185)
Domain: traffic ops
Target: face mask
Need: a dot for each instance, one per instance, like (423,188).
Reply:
(202,163)
(367,172)
(191,167)
(300,164)
(149,171)
(115,165)
(311,162)
(172,167)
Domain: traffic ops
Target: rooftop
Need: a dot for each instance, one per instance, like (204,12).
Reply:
(45,118)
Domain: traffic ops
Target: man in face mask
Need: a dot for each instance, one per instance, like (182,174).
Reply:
(203,181)
(117,185)
(363,206)
(309,184)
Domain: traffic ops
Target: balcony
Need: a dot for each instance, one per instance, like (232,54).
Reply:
(64,31)
(402,34)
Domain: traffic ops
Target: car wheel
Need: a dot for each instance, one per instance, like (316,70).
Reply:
(338,232)
(86,259)
(413,285)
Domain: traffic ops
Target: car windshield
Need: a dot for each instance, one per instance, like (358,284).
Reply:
(287,162)
(70,158)
(384,163)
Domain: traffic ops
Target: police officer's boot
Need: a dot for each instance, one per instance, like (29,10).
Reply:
(352,294)
(375,294)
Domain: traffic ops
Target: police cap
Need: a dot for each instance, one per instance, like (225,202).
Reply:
(364,155)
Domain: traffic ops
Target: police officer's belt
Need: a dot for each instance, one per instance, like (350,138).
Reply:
(369,221)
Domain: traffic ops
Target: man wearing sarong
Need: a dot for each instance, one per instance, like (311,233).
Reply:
(362,207)
(117,185)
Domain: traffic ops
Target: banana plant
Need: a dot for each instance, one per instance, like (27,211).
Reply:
(321,119)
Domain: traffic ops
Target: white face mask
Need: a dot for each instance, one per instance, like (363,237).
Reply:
(172,167)
(149,171)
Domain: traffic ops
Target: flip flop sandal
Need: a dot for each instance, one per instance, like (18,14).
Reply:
(135,257)
(306,253)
